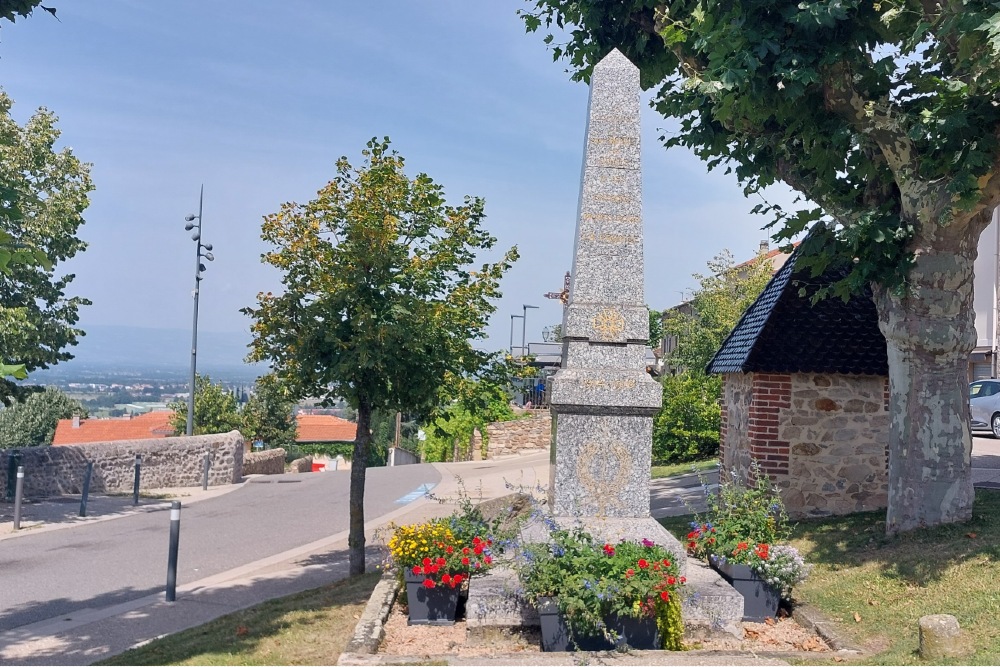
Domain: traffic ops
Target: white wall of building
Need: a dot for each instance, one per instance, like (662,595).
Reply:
(985,299)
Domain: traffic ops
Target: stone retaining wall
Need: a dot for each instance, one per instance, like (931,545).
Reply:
(166,462)
(532,433)
(823,438)
(268,462)
(304,464)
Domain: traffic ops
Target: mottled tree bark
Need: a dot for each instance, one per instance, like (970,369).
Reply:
(359,465)
(930,333)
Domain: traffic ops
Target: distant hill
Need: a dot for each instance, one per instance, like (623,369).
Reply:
(166,353)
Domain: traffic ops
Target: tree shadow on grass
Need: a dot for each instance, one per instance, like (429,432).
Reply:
(918,557)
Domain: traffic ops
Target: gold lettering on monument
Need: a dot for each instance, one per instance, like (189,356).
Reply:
(600,237)
(606,218)
(608,384)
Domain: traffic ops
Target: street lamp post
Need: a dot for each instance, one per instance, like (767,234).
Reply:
(512,332)
(198,269)
(524,328)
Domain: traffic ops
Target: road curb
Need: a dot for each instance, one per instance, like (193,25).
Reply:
(370,630)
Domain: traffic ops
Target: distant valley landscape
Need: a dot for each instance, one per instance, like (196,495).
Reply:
(109,352)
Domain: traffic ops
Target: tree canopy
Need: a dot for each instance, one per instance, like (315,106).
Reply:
(268,416)
(215,410)
(723,294)
(31,422)
(883,114)
(382,300)
(43,193)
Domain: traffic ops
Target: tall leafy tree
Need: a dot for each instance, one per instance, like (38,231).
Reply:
(715,307)
(215,409)
(687,426)
(268,414)
(31,422)
(381,297)
(43,193)
(882,113)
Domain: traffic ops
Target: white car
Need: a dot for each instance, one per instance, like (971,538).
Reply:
(984,406)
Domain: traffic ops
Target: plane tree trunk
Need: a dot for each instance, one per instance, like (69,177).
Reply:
(930,333)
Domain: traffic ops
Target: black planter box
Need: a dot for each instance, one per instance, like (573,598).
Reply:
(430,606)
(638,633)
(760,599)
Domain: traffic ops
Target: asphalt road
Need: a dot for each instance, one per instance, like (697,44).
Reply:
(102,564)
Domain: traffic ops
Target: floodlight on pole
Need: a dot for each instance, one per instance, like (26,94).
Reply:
(202,251)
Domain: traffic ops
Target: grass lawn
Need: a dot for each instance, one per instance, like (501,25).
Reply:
(877,588)
(308,628)
(684,468)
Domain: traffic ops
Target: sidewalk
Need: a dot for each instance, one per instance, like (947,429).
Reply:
(60,512)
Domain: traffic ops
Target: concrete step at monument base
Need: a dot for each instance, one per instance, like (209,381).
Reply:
(711,604)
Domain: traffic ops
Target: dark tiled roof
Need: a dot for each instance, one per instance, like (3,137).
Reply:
(782,332)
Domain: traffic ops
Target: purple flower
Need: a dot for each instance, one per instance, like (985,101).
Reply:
(647,543)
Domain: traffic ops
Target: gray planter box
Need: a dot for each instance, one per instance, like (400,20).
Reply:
(760,599)
(430,606)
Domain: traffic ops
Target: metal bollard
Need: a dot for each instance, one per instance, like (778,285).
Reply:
(175,536)
(86,488)
(18,495)
(135,484)
(204,475)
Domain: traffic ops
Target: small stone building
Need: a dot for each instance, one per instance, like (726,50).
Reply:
(805,395)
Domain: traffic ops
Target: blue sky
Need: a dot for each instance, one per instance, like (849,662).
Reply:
(258,99)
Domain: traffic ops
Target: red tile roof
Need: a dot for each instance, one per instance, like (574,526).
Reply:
(154,424)
(325,428)
(311,428)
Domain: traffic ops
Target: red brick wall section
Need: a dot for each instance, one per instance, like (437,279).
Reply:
(771,393)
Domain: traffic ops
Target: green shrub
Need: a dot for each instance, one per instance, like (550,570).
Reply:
(687,426)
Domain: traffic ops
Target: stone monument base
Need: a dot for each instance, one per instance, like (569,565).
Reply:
(496,605)
(609,529)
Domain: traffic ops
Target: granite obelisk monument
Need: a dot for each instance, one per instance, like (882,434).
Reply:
(603,400)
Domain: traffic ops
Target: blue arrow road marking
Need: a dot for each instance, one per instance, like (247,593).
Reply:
(421,491)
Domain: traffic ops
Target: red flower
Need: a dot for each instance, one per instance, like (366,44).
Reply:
(417,570)
(609,550)
(693,535)
(671,581)
(692,545)
(656,566)
(431,569)
(629,573)
(643,563)
(441,561)
(684,580)
(428,583)
(427,561)
(487,559)
(666,563)
(763,551)
(450,549)
(476,540)
(465,550)
(478,549)
(465,561)
(664,595)
(445,578)
(742,546)
(457,579)
(489,542)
